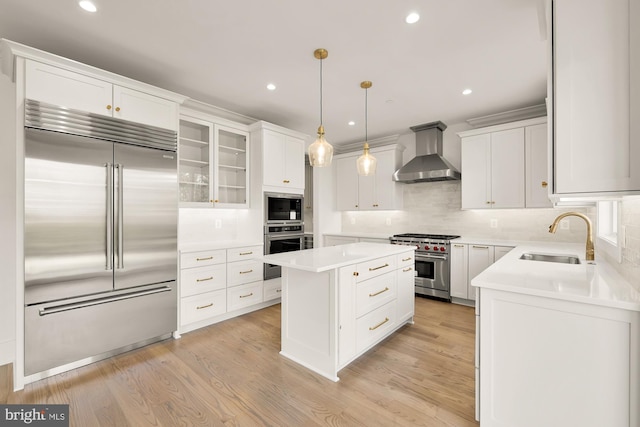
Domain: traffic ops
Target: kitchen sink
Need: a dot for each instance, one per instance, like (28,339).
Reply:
(563,259)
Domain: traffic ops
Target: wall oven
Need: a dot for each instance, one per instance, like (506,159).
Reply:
(283,209)
(278,239)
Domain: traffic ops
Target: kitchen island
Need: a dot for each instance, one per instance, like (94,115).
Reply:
(557,343)
(340,301)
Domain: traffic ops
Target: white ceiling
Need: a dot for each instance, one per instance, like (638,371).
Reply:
(225,52)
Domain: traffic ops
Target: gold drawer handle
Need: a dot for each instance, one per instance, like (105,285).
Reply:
(278,290)
(108,107)
(245,272)
(246,296)
(200,307)
(246,253)
(480,247)
(386,319)
(544,184)
(286,181)
(379,292)
(459,246)
(378,268)
(407,269)
(117,108)
(216,201)
(204,259)
(355,273)
(204,280)
(406,259)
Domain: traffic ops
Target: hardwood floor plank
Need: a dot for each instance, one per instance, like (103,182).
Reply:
(231,374)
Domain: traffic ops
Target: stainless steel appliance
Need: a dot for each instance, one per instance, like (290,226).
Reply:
(281,238)
(283,209)
(100,237)
(433,270)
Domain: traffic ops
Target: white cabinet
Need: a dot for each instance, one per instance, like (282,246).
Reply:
(505,166)
(480,257)
(70,89)
(213,159)
(376,192)
(596,97)
(500,251)
(459,264)
(405,304)
(283,160)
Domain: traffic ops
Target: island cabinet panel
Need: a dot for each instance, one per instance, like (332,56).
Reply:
(375,292)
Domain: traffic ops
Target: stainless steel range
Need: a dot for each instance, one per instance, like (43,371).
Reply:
(432,267)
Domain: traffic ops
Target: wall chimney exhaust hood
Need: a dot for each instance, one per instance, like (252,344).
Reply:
(428,165)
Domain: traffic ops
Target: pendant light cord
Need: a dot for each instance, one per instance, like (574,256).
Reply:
(366,115)
(321,92)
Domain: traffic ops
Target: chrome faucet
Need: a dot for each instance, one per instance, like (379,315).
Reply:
(590,255)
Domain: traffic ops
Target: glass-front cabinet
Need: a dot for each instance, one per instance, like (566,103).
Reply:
(213,164)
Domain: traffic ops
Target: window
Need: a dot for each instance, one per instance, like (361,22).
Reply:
(608,239)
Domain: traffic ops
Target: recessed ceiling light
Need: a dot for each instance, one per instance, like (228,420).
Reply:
(352,123)
(88,6)
(271,86)
(467,91)
(412,18)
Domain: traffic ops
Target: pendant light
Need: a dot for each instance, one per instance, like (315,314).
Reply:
(320,152)
(366,163)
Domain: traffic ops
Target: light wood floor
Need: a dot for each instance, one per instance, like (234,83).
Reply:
(230,374)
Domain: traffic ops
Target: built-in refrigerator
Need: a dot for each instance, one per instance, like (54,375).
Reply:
(100,237)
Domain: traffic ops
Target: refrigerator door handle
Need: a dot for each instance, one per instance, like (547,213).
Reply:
(109,213)
(120,217)
(104,300)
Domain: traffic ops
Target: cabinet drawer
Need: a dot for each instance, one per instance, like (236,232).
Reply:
(405,260)
(202,258)
(203,306)
(272,289)
(244,295)
(371,327)
(375,292)
(240,272)
(202,279)
(247,252)
(376,267)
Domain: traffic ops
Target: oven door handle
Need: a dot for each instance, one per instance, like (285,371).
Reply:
(443,258)
(283,236)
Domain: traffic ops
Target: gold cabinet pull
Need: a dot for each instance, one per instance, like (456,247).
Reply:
(379,292)
(373,328)
(204,259)
(246,253)
(480,247)
(355,273)
(493,203)
(204,280)
(278,290)
(245,272)
(544,184)
(407,269)
(286,181)
(108,107)
(246,296)
(488,202)
(216,201)
(200,307)
(406,259)
(117,108)
(378,268)
(459,246)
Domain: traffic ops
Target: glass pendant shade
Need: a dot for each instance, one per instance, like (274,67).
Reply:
(366,163)
(320,152)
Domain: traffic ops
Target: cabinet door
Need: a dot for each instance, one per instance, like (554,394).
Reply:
(507,169)
(500,251)
(385,188)
(68,89)
(232,151)
(273,158)
(537,177)
(140,107)
(294,162)
(596,97)
(195,153)
(459,271)
(480,257)
(406,289)
(346,184)
(476,183)
(367,199)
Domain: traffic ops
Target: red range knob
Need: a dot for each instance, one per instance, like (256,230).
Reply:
(435,248)
(426,248)
(442,249)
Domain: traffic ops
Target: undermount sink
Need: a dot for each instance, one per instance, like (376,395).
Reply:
(563,259)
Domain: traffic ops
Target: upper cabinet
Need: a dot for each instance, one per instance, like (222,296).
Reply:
(595,89)
(213,162)
(74,90)
(375,192)
(282,157)
(505,166)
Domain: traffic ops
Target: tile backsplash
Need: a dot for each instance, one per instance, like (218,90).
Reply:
(630,226)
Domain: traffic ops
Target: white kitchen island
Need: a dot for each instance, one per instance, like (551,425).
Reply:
(557,344)
(340,301)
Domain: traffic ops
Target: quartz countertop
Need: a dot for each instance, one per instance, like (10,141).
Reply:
(591,283)
(331,257)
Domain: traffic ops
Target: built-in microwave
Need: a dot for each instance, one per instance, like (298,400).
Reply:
(283,208)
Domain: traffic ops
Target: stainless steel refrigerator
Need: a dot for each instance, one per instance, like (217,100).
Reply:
(100,237)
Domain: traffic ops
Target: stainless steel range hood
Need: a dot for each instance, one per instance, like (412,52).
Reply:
(428,165)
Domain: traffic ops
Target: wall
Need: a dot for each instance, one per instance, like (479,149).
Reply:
(629,268)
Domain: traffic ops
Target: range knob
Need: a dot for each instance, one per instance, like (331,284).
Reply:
(426,248)
(442,248)
(435,248)
(418,247)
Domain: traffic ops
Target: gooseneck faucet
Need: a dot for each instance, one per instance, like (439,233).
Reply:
(590,255)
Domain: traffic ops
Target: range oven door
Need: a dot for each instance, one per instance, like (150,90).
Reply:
(432,275)
(278,243)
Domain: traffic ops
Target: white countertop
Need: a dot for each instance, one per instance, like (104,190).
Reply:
(331,257)
(597,283)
